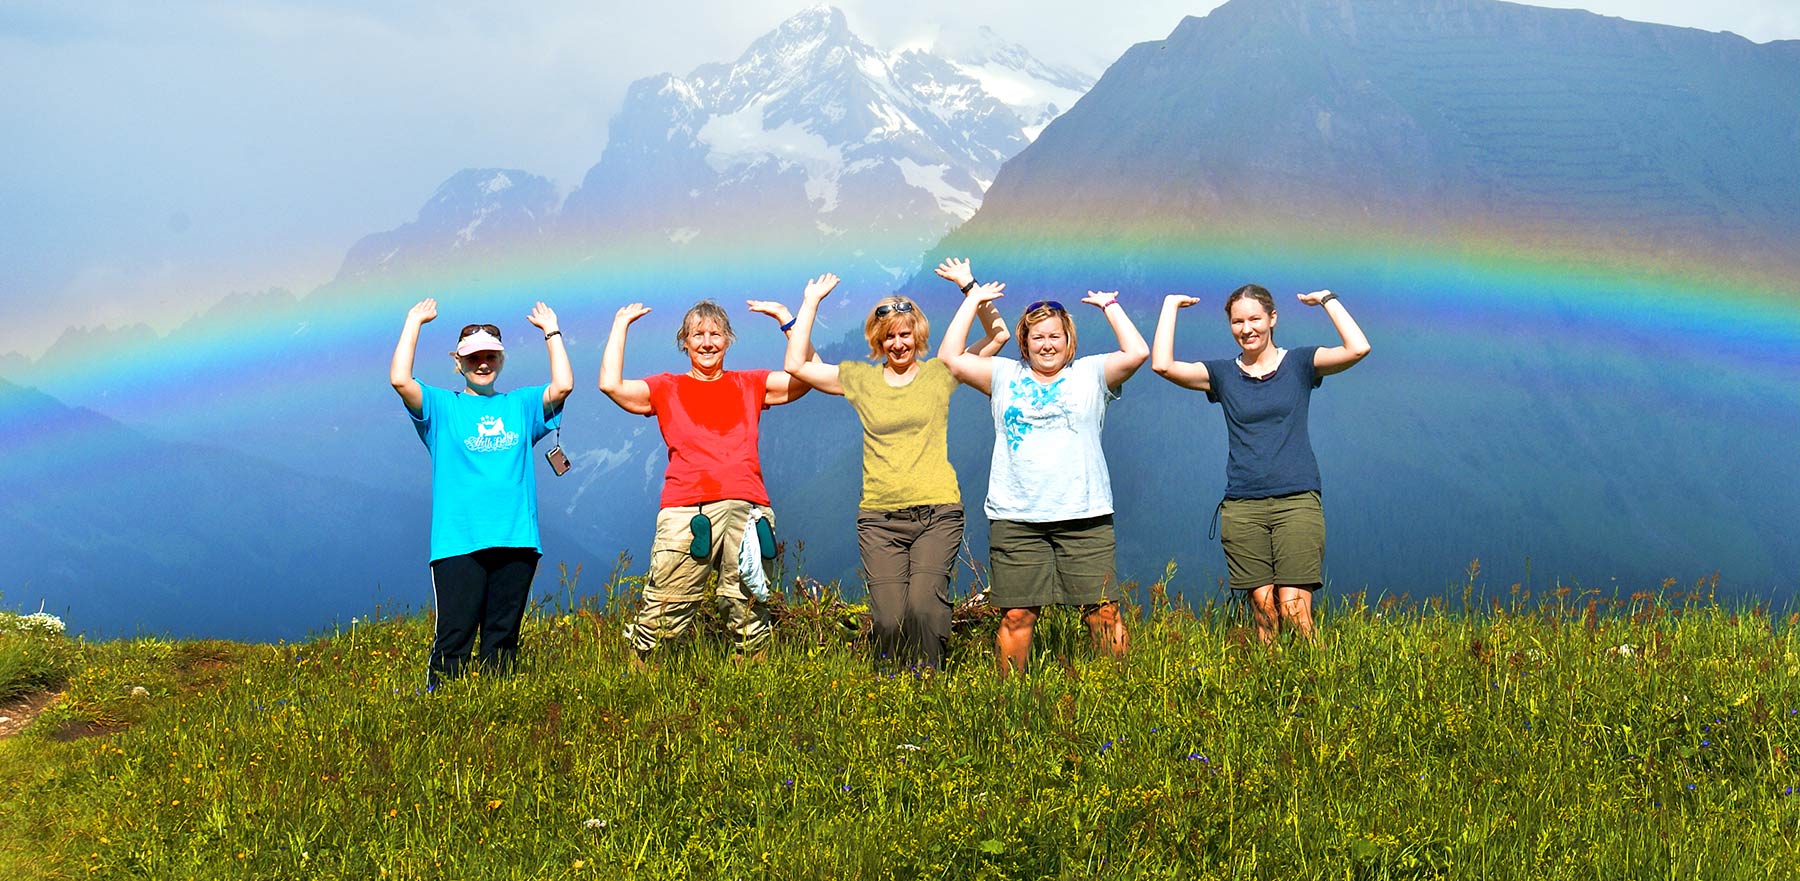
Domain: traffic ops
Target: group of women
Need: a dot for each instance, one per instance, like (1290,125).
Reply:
(1049,501)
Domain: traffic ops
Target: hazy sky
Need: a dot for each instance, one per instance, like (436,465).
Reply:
(159,156)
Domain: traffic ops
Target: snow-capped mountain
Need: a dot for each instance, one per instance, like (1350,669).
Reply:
(1036,91)
(813,143)
(815,136)
(478,210)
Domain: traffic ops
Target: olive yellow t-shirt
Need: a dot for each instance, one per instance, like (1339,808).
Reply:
(906,447)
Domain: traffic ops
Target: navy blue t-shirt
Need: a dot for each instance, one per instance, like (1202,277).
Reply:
(1271,454)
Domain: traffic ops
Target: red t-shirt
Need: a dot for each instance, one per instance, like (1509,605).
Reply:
(710,429)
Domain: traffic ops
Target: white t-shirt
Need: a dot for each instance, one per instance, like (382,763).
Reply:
(1048,464)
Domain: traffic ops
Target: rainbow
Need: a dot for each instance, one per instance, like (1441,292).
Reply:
(1467,279)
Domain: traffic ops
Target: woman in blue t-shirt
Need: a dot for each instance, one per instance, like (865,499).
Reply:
(484,524)
(1270,524)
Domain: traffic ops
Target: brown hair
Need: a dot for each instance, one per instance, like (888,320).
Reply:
(705,310)
(1252,291)
(1037,312)
(878,327)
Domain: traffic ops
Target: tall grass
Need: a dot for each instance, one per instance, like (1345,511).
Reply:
(1556,738)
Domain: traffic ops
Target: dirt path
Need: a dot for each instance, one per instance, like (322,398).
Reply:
(15,715)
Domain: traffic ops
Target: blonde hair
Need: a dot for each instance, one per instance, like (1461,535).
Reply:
(878,327)
(1036,313)
(705,310)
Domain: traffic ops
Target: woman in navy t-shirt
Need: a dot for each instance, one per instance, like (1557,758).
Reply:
(1271,525)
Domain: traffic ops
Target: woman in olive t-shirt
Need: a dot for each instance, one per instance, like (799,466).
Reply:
(909,523)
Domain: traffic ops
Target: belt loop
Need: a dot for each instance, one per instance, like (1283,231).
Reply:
(1212,531)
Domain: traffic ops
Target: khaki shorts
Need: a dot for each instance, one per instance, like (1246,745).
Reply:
(1066,563)
(676,576)
(677,583)
(1279,541)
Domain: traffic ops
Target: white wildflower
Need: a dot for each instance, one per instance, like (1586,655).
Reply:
(41,622)
(593,823)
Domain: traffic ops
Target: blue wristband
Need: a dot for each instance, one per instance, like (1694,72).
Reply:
(790,324)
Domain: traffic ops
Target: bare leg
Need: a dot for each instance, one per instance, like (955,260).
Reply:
(1012,642)
(1263,610)
(1107,628)
(1296,609)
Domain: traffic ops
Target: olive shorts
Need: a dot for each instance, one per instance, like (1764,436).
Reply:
(1278,540)
(1065,562)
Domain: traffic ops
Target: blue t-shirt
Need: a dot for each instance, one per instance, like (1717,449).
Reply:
(1271,454)
(483,485)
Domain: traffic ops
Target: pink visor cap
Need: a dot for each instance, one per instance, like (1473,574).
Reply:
(479,341)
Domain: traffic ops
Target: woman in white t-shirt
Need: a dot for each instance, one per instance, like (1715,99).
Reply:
(1049,501)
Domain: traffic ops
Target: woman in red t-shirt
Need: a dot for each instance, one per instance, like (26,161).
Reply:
(714,513)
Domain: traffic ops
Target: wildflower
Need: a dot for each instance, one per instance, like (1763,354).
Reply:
(788,782)
(1690,787)
(593,823)
(1106,746)
(41,622)
(846,787)
(911,746)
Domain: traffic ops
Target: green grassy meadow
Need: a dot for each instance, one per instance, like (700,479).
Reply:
(1563,736)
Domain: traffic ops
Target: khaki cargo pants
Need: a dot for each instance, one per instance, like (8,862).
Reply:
(677,584)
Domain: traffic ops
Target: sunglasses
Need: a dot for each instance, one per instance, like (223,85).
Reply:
(1052,305)
(477,328)
(887,309)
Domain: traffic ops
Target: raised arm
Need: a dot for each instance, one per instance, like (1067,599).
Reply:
(1187,374)
(781,386)
(802,360)
(632,395)
(562,379)
(400,370)
(1337,359)
(970,368)
(957,271)
(1133,351)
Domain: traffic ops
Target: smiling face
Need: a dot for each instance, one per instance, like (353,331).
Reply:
(897,332)
(480,369)
(1251,321)
(706,343)
(899,348)
(1047,344)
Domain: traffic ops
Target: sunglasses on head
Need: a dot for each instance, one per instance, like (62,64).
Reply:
(1052,305)
(476,328)
(887,309)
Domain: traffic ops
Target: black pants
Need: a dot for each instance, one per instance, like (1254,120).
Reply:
(487,589)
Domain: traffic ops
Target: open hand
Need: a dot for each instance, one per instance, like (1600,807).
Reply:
(818,288)
(422,311)
(987,293)
(956,270)
(771,308)
(1180,301)
(1101,299)
(543,316)
(631,312)
(1313,298)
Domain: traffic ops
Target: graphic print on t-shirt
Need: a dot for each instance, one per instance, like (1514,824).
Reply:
(1034,405)
(491,436)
